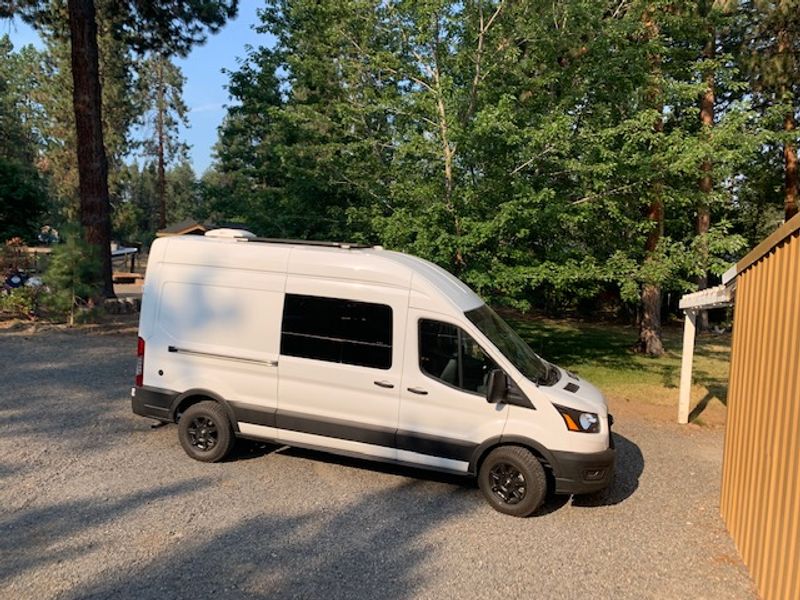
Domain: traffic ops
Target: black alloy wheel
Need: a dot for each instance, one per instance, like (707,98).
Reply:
(513,480)
(205,432)
(508,483)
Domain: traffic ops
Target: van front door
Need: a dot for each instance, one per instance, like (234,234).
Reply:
(340,366)
(444,414)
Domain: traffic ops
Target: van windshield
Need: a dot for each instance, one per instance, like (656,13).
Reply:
(507,341)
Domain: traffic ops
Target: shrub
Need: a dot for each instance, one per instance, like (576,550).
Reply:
(70,277)
(22,302)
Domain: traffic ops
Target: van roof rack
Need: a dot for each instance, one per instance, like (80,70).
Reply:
(318,243)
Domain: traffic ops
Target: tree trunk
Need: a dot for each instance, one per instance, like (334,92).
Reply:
(448,153)
(790,171)
(706,182)
(650,326)
(162,178)
(95,208)
(790,187)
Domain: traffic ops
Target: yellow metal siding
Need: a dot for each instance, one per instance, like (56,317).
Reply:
(760,477)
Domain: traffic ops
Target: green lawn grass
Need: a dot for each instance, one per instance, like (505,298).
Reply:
(601,352)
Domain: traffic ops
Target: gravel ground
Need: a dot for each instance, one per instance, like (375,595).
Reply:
(96,504)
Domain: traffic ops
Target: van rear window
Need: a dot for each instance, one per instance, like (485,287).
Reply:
(337,330)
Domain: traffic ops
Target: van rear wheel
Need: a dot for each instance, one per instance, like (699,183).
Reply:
(205,432)
(513,481)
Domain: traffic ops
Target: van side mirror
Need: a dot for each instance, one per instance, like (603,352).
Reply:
(497,387)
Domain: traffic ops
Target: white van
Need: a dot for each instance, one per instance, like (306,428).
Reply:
(358,351)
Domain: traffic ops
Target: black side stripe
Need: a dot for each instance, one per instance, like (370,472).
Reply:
(356,432)
(435,445)
(253,414)
(336,428)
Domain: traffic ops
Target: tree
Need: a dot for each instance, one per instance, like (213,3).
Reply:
(545,152)
(121,107)
(70,275)
(22,190)
(772,56)
(162,85)
(136,212)
(166,26)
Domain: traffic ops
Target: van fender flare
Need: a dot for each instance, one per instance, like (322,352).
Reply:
(510,440)
(200,392)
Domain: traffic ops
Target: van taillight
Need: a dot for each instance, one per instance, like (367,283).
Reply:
(140,363)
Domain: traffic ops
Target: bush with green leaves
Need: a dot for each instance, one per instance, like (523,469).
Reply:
(20,303)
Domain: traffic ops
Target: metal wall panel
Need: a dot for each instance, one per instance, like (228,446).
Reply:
(760,501)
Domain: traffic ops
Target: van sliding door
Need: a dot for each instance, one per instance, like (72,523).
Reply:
(341,365)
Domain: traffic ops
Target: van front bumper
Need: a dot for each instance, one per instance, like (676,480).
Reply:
(578,473)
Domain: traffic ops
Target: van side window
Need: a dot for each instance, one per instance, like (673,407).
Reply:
(449,354)
(340,331)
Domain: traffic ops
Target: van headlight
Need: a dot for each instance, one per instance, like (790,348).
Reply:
(576,420)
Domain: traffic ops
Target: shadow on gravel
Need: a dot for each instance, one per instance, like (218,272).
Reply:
(65,382)
(381,467)
(372,548)
(49,535)
(630,466)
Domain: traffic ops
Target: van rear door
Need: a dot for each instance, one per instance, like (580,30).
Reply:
(217,332)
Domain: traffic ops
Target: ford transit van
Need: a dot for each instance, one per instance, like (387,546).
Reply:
(363,352)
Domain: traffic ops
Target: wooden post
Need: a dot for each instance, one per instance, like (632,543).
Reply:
(687,357)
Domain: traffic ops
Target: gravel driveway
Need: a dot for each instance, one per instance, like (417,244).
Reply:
(94,503)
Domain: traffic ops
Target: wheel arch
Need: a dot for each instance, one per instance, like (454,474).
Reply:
(537,449)
(186,399)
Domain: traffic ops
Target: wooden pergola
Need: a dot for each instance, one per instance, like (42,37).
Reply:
(691,304)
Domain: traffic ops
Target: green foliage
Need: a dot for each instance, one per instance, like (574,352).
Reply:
(20,303)
(161,87)
(70,277)
(512,143)
(517,144)
(22,189)
(122,105)
(22,200)
(135,216)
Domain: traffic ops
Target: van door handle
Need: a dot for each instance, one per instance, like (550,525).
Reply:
(384,384)
(419,391)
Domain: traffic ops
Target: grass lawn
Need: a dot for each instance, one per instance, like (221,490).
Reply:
(601,352)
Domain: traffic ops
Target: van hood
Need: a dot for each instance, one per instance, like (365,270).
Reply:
(574,392)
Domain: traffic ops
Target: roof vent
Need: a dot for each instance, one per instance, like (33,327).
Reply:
(230,234)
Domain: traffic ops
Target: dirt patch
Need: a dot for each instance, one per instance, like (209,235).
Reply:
(104,325)
(713,416)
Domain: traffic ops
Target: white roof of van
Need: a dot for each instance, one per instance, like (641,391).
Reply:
(366,264)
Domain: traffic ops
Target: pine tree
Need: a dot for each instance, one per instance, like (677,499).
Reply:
(145,26)
(162,87)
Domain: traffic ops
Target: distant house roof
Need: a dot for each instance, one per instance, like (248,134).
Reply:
(186,227)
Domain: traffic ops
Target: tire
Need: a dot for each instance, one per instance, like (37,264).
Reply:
(513,481)
(205,432)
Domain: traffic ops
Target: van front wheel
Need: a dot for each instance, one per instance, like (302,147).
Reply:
(513,481)
(205,432)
